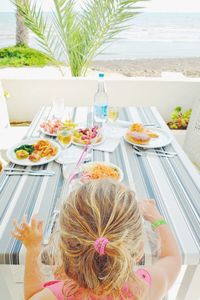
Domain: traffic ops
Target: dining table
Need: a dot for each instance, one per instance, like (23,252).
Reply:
(172,181)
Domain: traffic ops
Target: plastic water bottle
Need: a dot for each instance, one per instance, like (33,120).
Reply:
(101,101)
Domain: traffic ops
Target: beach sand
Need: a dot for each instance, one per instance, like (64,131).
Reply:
(189,67)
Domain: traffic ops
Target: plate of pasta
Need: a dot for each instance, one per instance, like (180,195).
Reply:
(100,170)
(33,152)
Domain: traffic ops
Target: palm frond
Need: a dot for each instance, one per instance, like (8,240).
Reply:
(102,20)
(78,35)
(38,24)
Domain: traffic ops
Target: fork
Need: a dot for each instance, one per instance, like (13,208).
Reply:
(144,153)
(128,123)
(29,170)
(28,173)
(17,171)
(157,150)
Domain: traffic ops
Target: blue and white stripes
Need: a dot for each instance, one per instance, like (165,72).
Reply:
(172,182)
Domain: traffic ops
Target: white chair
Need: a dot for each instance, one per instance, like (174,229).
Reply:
(8,135)
(192,138)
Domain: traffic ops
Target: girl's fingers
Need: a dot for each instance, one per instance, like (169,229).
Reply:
(33,222)
(141,206)
(20,230)
(40,225)
(152,201)
(25,226)
(24,219)
(24,222)
(17,236)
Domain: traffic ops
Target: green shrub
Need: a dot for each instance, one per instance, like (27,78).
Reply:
(23,56)
(179,119)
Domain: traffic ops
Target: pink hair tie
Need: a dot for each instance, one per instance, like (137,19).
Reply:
(100,245)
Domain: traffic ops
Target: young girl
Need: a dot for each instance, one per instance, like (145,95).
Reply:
(101,239)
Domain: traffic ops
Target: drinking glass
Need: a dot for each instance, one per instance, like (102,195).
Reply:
(113,114)
(58,108)
(64,137)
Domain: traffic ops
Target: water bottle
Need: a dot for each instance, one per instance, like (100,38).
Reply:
(101,101)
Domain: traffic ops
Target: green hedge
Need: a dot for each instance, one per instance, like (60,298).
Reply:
(22,56)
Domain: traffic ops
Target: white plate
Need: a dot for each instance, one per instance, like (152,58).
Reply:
(96,144)
(26,162)
(164,139)
(121,175)
(47,133)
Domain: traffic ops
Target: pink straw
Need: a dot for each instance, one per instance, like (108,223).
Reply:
(81,157)
(79,161)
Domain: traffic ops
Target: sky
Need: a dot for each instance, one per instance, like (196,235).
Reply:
(151,6)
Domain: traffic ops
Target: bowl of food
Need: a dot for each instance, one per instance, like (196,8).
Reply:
(151,137)
(51,127)
(138,134)
(83,136)
(101,170)
(1,167)
(33,152)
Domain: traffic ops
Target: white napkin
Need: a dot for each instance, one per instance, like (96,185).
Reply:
(112,138)
(123,124)
(109,145)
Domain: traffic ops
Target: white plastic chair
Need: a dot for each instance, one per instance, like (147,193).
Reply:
(8,135)
(192,138)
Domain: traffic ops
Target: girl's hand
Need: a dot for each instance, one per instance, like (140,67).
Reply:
(149,210)
(30,235)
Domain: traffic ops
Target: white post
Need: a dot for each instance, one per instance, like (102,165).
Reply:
(4,118)
(190,287)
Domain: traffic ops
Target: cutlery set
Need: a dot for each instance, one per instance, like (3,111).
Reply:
(18,171)
(156,152)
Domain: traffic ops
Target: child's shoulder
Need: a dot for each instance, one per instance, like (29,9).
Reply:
(144,274)
(56,287)
(45,294)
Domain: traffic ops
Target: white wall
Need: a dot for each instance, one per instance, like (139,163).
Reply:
(27,95)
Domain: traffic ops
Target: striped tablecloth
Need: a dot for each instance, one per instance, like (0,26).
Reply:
(172,182)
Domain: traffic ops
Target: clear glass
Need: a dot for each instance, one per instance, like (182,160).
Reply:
(64,137)
(58,108)
(113,114)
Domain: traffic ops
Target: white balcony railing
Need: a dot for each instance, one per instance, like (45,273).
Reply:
(27,95)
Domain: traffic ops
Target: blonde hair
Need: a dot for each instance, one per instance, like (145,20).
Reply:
(100,208)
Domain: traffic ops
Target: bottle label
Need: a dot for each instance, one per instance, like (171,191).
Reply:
(100,112)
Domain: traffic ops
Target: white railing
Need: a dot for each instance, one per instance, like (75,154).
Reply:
(27,95)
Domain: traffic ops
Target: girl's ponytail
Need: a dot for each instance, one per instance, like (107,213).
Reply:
(101,239)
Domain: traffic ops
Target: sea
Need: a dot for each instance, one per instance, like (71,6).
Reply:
(151,35)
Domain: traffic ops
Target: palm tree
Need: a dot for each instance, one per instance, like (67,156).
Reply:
(21,29)
(77,35)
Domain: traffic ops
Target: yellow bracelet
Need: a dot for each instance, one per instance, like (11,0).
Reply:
(157,223)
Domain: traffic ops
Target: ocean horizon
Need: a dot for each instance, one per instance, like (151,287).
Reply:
(151,35)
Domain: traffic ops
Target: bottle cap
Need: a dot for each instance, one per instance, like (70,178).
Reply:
(101,75)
